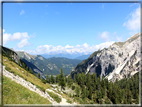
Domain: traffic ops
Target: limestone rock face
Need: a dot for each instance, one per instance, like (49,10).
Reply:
(121,59)
(10,53)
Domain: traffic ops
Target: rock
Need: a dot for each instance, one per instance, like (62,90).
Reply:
(116,62)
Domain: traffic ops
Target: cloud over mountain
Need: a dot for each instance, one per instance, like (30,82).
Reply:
(82,49)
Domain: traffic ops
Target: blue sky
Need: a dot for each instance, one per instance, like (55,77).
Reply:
(45,28)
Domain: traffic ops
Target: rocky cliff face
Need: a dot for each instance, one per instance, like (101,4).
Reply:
(121,59)
(10,53)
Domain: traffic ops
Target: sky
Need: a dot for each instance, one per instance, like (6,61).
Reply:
(47,28)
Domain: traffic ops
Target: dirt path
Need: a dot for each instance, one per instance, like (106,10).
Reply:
(63,102)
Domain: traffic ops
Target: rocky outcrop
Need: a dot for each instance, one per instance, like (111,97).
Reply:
(121,59)
(10,53)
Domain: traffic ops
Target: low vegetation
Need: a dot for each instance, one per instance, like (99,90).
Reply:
(17,70)
(14,93)
(54,96)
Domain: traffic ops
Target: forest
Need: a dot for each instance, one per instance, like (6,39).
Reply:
(100,91)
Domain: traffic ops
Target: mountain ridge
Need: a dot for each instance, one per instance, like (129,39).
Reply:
(51,65)
(108,61)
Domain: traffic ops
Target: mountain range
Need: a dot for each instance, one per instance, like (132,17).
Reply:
(121,59)
(51,65)
(67,55)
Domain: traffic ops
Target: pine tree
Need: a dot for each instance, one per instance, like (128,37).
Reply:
(90,93)
(57,78)
(52,79)
(27,68)
(88,80)
(137,99)
(23,65)
(30,70)
(62,80)
(83,92)
(38,75)
(47,79)
(77,90)
(69,80)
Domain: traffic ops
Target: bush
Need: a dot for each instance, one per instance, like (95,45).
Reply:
(73,87)
(7,68)
(69,101)
(41,88)
(107,101)
(43,80)
(55,97)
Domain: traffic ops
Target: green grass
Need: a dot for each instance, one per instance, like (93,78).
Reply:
(55,97)
(12,67)
(69,101)
(14,93)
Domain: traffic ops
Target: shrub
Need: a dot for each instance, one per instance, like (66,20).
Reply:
(55,97)
(41,88)
(7,68)
(69,101)
(43,80)
(73,87)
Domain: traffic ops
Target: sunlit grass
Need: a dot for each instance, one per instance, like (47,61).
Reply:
(14,93)
(17,70)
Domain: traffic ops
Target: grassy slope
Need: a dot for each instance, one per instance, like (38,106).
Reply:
(17,70)
(14,93)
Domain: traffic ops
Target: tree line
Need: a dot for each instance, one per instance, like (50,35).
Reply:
(125,91)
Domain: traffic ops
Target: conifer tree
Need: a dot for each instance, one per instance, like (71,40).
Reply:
(52,79)
(38,75)
(31,71)
(62,80)
(77,90)
(47,78)
(83,92)
(69,80)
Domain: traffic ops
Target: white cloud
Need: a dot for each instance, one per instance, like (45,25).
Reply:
(82,49)
(23,43)
(105,36)
(6,38)
(104,45)
(22,12)
(23,37)
(16,36)
(133,22)
(19,36)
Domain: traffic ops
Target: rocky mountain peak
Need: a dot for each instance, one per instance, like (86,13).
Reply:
(116,62)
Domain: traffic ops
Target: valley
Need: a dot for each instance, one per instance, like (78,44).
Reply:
(49,66)
(108,76)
